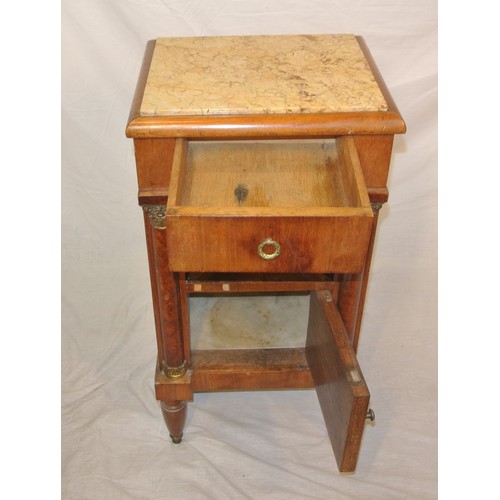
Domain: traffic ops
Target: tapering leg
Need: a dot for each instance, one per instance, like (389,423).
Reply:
(174,414)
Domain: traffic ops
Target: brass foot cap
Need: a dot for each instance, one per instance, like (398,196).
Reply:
(176,440)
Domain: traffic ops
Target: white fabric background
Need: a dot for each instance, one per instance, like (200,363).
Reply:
(265,445)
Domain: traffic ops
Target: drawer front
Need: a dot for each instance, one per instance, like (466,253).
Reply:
(268,244)
(268,207)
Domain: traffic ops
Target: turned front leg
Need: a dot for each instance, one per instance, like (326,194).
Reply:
(172,361)
(174,414)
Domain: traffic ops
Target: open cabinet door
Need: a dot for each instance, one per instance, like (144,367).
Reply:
(341,388)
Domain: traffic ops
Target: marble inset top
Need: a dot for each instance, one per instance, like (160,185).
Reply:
(259,74)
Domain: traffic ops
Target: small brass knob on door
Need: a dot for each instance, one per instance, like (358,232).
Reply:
(370,415)
(275,246)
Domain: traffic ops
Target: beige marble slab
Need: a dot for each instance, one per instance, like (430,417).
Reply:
(259,74)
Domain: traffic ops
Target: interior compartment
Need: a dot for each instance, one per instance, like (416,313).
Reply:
(267,174)
(248,321)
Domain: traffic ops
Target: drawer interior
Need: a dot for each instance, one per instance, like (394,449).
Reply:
(274,174)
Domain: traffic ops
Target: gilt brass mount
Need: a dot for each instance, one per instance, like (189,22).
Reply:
(157,215)
(175,372)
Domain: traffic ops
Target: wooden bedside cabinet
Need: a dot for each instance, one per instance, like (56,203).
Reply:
(262,163)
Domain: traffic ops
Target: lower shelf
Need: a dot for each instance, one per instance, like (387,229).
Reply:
(255,369)
(238,370)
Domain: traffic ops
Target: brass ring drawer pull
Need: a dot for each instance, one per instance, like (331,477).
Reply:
(269,256)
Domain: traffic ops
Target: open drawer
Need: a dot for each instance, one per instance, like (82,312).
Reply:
(268,206)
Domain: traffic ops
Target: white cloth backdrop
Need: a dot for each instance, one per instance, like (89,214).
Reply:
(263,445)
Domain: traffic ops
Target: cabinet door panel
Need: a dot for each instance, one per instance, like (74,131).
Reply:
(340,385)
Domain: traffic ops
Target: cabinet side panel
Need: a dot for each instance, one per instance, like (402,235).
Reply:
(374,152)
(154,164)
